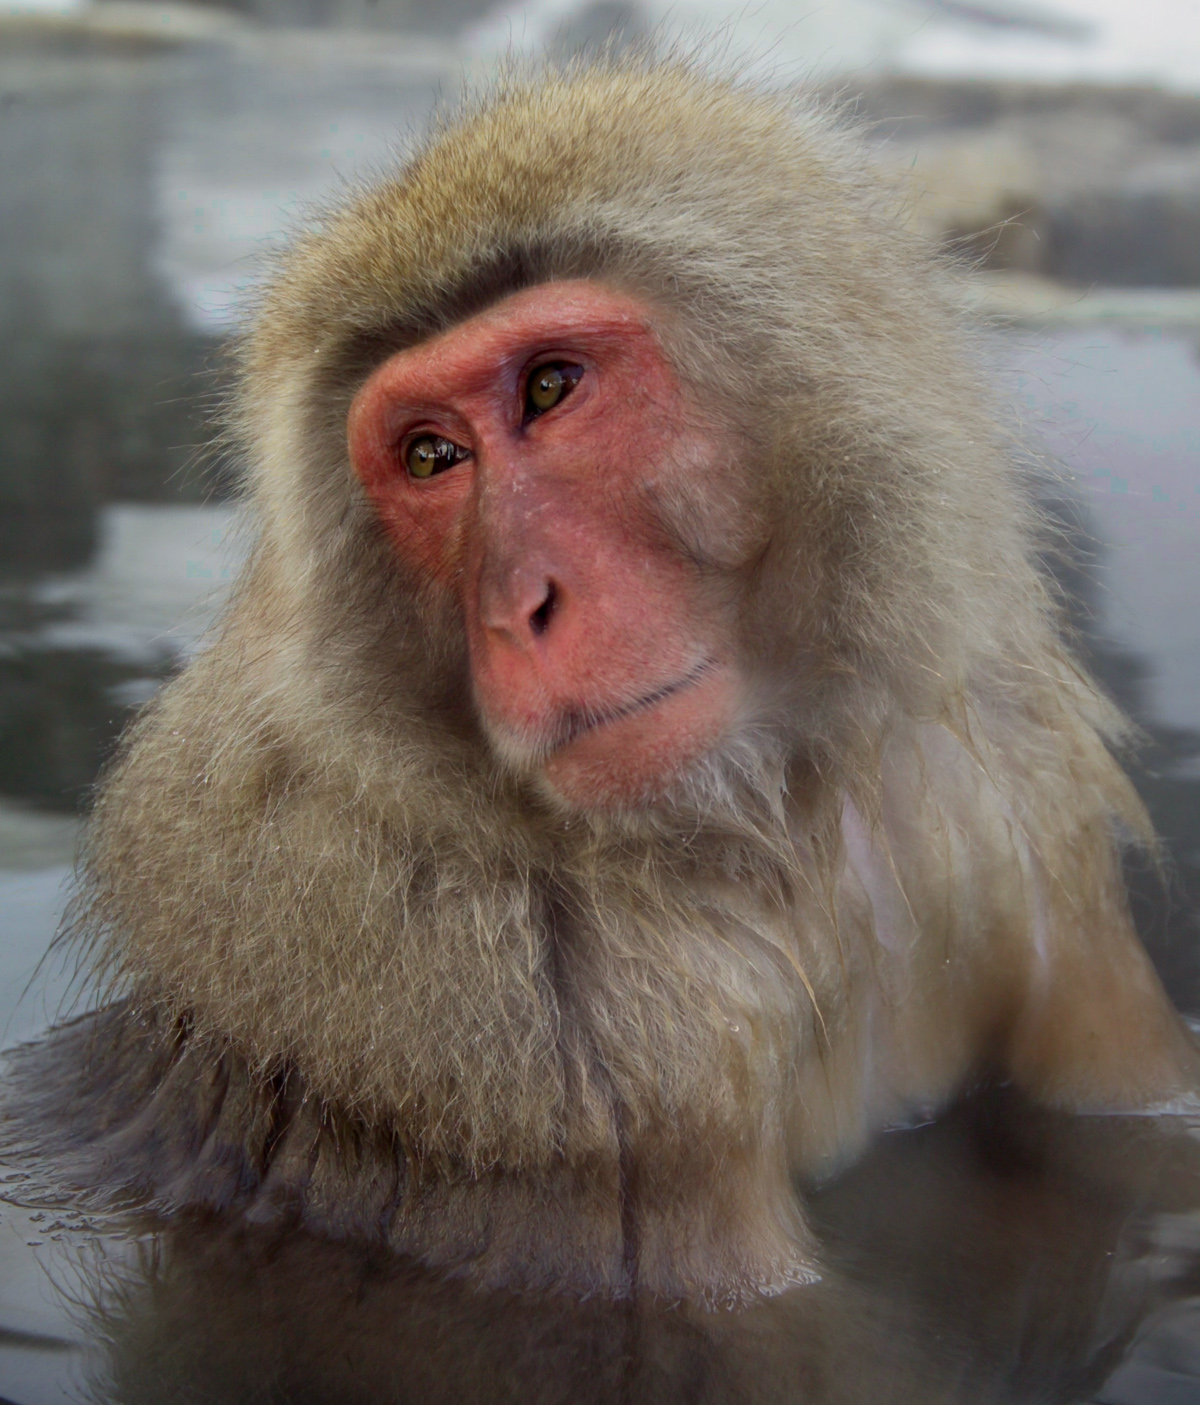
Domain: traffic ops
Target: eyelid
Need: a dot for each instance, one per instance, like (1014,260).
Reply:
(408,437)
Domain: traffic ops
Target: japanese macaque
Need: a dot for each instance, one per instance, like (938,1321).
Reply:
(640,759)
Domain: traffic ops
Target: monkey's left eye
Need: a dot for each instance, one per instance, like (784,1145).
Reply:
(432,454)
(549,384)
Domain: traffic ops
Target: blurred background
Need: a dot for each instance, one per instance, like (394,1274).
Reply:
(151,156)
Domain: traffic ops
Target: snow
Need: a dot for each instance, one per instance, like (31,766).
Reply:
(1150,41)
(1110,41)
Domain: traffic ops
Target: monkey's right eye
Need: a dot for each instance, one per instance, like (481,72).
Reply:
(432,454)
(549,384)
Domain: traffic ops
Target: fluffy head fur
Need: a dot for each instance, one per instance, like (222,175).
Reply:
(597,1042)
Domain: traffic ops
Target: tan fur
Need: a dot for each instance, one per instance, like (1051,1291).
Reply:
(595,1049)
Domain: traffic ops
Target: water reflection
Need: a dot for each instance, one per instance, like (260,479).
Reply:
(1002,1255)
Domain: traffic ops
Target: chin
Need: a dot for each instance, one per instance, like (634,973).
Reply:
(637,761)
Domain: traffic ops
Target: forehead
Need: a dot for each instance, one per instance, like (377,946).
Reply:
(566,314)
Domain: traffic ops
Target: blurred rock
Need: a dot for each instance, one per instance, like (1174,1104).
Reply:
(1083,184)
(1143,229)
(980,193)
(80,653)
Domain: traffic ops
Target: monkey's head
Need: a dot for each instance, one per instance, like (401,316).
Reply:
(620,436)
(532,463)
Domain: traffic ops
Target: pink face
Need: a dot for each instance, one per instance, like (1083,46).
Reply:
(517,461)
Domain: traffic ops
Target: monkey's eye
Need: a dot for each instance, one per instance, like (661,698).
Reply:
(549,384)
(432,454)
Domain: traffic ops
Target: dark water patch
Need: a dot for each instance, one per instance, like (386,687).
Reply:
(1002,1256)
(81,652)
(86,420)
(62,709)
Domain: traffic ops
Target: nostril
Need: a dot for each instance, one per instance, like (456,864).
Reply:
(539,621)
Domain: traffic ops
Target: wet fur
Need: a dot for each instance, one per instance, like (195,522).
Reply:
(363,971)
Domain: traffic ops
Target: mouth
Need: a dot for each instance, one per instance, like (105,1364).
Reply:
(632,754)
(629,752)
(578,722)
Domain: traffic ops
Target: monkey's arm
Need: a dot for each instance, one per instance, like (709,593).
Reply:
(1094,1030)
(1027,958)
(117,1109)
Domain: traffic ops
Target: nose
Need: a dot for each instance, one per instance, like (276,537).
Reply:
(534,557)
(539,619)
(521,608)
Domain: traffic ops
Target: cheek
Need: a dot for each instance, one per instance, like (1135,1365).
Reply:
(426,536)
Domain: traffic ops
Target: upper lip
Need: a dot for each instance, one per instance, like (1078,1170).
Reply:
(576,721)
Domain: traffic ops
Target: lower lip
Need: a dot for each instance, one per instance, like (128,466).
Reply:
(634,760)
